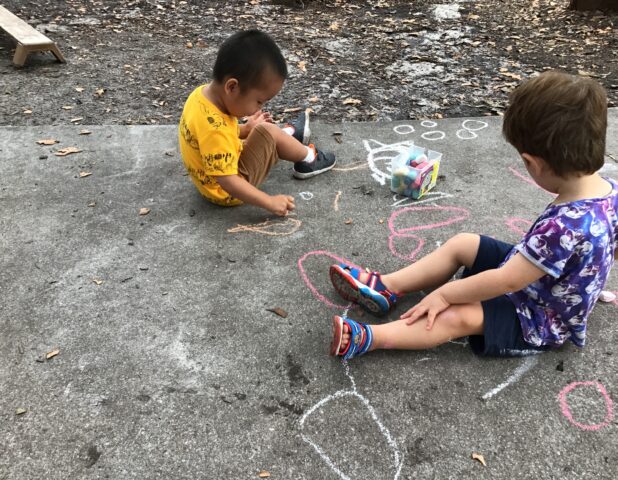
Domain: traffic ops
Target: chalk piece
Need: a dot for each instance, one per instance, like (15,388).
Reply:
(607,296)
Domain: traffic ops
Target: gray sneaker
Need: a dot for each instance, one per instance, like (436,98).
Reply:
(322,163)
(302,132)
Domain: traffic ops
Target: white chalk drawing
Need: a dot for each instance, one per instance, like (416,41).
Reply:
(399,201)
(397,456)
(519,372)
(433,135)
(469,128)
(429,124)
(403,129)
(380,156)
(306,195)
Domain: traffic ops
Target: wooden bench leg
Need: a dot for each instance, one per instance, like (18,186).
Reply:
(21,53)
(54,49)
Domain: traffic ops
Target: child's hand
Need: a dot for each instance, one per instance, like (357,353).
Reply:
(281,204)
(257,118)
(432,305)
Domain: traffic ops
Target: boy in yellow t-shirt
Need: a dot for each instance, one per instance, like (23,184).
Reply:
(227,161)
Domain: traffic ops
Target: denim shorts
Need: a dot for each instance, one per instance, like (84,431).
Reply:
(502,334)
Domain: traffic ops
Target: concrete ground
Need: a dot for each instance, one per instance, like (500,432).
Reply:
(170,364)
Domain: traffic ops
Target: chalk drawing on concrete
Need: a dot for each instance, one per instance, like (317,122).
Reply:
(273,228)
(353,392)
(307,196)
(352,166)
(336,201)
(403,129)
(429,198)
(519,372)
(429,124)
(433,135)
(380,156)
(469,128)
(566,410)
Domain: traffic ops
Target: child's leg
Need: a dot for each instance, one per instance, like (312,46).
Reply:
(434,269)
(288,147)
(455,322)
(258,156)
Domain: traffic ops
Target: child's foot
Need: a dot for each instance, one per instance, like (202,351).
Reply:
(350,338)
(363,288)
(321,163)
(300,126)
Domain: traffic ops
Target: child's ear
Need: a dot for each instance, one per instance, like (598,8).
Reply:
(231,86)
(534,164)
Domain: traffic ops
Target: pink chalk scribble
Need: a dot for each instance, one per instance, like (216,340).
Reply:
(512,223)
(308,282)
(527,179)
(461,214)
(564,406)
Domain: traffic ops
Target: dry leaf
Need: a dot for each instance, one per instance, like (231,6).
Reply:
(51,354)
(381,220)
(302,66)
(334,26)
(480,458)
(352,101)
(85,132)
(264,474)
(100,91)
(144,211)
(77,119)
(66,151)
(84,174)
(93,204)
(189,45)
(348,221)
(27,112)
(67,107)
(97,281)
(20,411)
(279,311)
(80,89)
(47,142)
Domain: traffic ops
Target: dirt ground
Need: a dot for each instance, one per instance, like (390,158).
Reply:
(135,61)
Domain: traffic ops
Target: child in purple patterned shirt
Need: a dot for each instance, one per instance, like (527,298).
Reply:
(511,299)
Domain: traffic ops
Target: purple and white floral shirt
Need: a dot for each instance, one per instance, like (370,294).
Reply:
(574,243)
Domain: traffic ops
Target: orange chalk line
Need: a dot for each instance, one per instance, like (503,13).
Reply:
(336,202)
(262,227)
(352,166)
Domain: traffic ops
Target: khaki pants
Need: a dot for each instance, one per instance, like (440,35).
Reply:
(258,156)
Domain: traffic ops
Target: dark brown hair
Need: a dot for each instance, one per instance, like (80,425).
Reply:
(562,119)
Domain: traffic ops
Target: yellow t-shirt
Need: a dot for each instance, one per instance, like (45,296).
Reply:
(210,146)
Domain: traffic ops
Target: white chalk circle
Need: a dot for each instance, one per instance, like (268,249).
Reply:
(306,195)
(473,125)
(433,135)
(429,124)
(403,129)
(465,134)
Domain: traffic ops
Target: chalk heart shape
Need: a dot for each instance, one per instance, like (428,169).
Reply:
(405,242)
(453,215)
(518,225)
(314,290)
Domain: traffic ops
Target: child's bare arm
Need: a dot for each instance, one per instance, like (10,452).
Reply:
(514,275)
(239,188)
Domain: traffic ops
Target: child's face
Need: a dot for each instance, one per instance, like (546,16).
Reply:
(245,103)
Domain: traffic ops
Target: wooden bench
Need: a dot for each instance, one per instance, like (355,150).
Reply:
(28,38)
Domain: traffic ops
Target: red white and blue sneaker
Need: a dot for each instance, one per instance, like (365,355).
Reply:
(373,296)
(361,338)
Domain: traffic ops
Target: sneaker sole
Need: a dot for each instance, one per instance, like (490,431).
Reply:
(352,291)
(307,129)
(303,176)
(335,344)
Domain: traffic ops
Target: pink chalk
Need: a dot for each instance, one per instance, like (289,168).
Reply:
(609,416)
